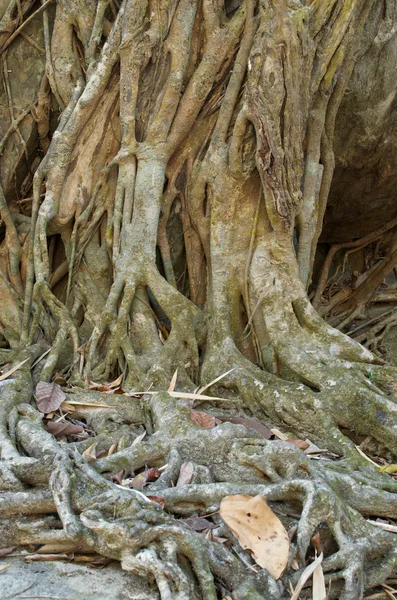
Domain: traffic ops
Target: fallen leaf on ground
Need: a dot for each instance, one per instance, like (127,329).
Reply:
(202,419)
(388,469)
(5,551)
(257,529)
(385,526)
(118,477)
(208,385)
(157,499)
(33,557)
(89,454)
(4,567)
(319,591)
(307,573)
(299,444)
(138,439)
(63,428)
(252,423)
(12,370)
(200,524)
(185,474)
(146,477)
(49,396)
(279,434)
(172,385)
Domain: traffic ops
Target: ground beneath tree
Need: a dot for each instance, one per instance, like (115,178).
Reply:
(69,581)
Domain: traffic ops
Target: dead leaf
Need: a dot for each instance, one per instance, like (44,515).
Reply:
(200,524)
(385,526)
(112,449)
(63,428)
(185,474)
(12,370)
(49,396)
(89,454)
(299,443)
(139,482)
(172,385)
(182,396)
(5,551)
(59,379)
(202,419)
(205,387)
(252,423)
(33,557)
(138,439)
(388,469)
(157,499)
(307,573)
(4,567)
(279,434)
(59,548)
(257,529)
(319,591)
(118,478)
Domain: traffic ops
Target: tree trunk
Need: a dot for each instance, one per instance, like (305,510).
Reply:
(173,225)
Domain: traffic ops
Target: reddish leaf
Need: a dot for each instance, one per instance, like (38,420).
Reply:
(157,499)
(299,444)
(202,419)
(139,482)
(118,478)
(252,423)
(49,396)
(152,474)
(199,524)
(185,474)
(63,428)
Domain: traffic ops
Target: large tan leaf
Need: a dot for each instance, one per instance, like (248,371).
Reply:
(257,529)
(202,419)
(12,370)
(49,396)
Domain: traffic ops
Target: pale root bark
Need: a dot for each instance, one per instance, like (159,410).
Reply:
(219,118)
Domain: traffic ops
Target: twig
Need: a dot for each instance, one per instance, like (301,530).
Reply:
(16,32)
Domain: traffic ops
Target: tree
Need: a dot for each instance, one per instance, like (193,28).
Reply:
(173,225)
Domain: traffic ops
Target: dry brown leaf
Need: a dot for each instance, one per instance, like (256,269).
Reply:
(257,529)
(89,454)
(307,573)
(202,419)
(299,443)
(157,499)
(33,557)
(4,567)
(139,482)
(172,385)
(49,396)
(118,477)
(319,590)
(5,551)
(12,370)
(200,524)
(185,474)
(63,428)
